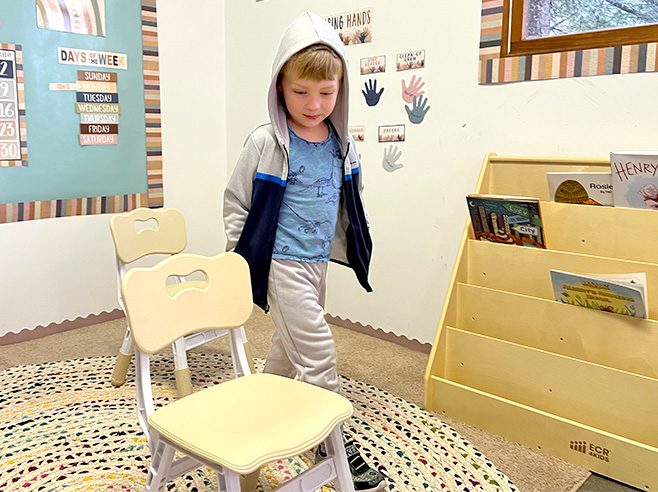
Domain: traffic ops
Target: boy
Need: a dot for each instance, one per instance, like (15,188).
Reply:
(294,201)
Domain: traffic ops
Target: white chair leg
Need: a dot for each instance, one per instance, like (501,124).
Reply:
(123,359)
(182,371)
(144,395)
(221,481)
(161,459)
(335,446)
(243,363)
(247,350)
(228,481)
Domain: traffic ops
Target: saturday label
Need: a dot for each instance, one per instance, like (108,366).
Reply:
(87,139)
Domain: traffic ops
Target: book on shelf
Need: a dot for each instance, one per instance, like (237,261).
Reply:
(635,179)
(506,219)
(615,293)
(580,188)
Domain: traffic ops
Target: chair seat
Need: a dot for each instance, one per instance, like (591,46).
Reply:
(247,421)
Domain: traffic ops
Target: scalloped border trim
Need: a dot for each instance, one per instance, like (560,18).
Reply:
(41,331)
(92,319)
(411,343)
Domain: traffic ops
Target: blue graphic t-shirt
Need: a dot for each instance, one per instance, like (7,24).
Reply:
(309,210)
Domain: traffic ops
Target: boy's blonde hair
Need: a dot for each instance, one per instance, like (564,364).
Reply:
(315,62)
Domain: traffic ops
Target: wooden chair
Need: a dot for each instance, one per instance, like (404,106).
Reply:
(238,426)
(143,233)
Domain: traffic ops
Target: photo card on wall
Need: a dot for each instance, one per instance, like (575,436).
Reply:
(391,133)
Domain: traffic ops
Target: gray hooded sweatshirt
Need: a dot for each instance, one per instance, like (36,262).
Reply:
(253,196)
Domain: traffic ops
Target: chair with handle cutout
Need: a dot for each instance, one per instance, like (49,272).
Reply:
(147,233)
(237,426)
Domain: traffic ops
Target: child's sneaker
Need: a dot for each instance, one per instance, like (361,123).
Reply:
(364,478)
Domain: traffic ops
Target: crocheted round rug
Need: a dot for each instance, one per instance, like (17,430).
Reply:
(63,426)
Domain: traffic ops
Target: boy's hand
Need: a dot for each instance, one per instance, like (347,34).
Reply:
(371,94)
(414,89)
(417,114)
(391,155)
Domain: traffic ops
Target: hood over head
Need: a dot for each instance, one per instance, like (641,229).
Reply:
(306,30)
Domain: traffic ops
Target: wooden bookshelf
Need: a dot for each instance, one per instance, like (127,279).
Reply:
(575,383)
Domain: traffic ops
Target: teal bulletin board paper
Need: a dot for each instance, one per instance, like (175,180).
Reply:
(58,166)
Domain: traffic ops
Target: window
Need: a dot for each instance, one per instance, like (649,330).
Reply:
(548,26)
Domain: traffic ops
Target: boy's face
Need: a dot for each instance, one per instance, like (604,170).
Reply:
(308,102)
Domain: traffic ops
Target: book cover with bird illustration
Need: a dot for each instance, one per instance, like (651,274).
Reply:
(581,188)
(506,219)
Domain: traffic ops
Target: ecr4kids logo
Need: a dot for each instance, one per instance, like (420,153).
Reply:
(591,449)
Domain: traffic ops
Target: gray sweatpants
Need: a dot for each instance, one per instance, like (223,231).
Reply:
(302,344)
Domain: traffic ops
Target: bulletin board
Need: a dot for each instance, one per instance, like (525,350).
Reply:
(80,126)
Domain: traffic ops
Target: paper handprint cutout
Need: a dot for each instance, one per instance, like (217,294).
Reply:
(371,94)
(391,155)
(413,89)
(418,111)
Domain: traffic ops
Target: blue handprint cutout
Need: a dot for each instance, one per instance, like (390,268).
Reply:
(371,94)
(418,111)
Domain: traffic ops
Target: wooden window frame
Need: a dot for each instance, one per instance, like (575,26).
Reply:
(513,43)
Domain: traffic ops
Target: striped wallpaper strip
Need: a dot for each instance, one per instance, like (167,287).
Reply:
(151,61)
(581,63)
(154,196)
(48,209)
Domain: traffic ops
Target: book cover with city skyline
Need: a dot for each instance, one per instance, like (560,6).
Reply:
(506,220)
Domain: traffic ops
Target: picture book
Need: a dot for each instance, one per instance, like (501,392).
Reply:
(581,188)
(506,219)
(615,293)
(634,179)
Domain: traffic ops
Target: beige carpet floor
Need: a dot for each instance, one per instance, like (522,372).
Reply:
(393,368)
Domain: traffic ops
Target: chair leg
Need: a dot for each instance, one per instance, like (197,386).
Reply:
(161,459)
(182,372)
(123,360)
(228,481)
(243,361)
(250,357)
(221,481)
(249,482)
(336,448)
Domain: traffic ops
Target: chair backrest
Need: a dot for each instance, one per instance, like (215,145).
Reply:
(167,237)
(159,312)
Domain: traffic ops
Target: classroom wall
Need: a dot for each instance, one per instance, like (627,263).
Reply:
(62,269)
(418,212)
(54,270)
